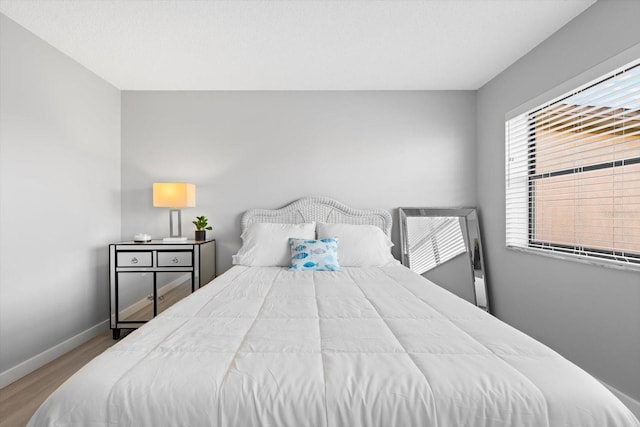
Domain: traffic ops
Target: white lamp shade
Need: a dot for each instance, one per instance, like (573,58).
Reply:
(174,195)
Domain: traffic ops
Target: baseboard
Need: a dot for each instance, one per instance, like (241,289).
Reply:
(38,361)
(630,402)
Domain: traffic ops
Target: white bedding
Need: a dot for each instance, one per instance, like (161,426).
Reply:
(361,347)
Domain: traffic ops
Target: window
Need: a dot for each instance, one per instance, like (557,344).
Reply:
(573,173)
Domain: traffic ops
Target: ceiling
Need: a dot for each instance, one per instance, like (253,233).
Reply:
(294,44)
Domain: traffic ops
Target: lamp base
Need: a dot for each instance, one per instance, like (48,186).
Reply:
(174,239)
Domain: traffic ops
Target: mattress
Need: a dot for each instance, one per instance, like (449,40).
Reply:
(380,346)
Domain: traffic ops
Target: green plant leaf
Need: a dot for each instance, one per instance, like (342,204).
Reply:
(201,223)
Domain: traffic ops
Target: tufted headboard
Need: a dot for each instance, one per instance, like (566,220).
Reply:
(319,209)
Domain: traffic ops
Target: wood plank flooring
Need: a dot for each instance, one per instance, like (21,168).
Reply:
(19,400)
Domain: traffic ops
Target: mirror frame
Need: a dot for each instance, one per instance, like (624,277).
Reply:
(462,213)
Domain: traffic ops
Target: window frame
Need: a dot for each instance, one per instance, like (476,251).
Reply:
(590,255)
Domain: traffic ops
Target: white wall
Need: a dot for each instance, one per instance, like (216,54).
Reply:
(589,314)
(265,149)
(59,195)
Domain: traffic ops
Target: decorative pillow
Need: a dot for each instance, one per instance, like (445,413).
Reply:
(360,245)
(267,244)
(318,255)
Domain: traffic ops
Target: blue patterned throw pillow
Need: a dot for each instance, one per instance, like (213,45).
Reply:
(318,255)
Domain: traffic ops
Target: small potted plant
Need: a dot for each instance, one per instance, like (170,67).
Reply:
(201,224)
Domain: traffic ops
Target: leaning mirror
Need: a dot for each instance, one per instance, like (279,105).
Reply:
(444,246)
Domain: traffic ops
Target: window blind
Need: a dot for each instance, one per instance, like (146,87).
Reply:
(573,172)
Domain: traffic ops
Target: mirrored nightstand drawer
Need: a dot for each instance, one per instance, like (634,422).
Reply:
(174,259)
(134,259)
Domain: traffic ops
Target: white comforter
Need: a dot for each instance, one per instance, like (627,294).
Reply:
(362,347)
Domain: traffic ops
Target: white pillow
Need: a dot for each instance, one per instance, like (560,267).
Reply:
(267,244)
(360,245)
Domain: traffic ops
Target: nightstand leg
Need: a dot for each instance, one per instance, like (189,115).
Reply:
(116,333)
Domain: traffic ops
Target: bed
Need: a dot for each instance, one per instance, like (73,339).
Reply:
(371,345)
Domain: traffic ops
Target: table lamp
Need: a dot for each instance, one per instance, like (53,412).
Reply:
(174,195)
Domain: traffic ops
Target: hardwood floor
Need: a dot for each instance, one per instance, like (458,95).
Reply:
(19,400)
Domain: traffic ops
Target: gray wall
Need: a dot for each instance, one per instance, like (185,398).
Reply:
(589,314)
(59,195)
(265,149)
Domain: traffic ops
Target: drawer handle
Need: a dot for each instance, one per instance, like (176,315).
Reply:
(134,260)
(150,297)
(175,260)
(161,298)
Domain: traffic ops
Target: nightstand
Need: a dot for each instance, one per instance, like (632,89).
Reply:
(147,278)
